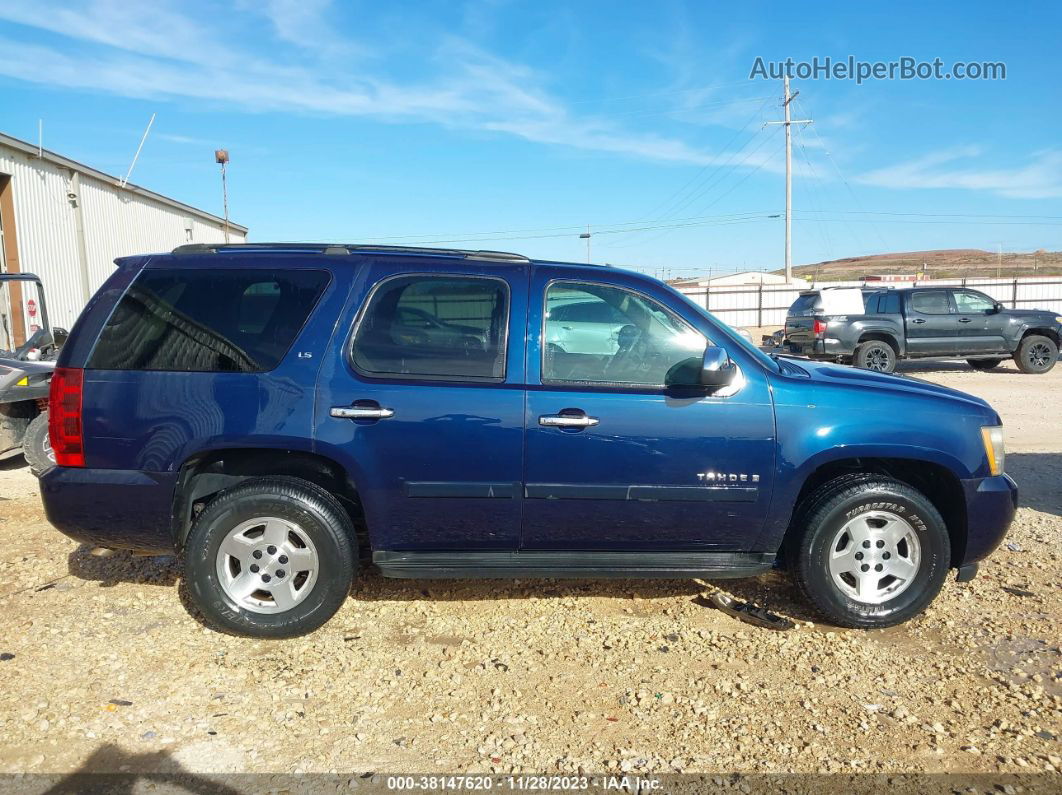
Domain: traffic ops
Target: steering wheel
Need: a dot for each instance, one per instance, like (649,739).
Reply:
(633,346)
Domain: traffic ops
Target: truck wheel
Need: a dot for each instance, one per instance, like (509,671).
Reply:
(873,551)
(1036,354)
(270,558)
(875,355)
(36,446)
(984,364)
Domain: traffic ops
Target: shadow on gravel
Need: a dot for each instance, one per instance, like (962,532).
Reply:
(12,463)
(371,587)
(120,567)
(112,769)
(915,367)
(1038,476)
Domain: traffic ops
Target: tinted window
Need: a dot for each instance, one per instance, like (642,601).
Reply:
(191,320)
(890,304)
(438,326)
(935,303)
(871,303)
(638,343)
(804,305)
(973,302)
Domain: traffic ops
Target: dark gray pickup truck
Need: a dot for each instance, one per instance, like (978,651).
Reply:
(921,322)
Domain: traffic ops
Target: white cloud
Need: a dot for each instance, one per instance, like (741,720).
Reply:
(1040,178)
(159,51)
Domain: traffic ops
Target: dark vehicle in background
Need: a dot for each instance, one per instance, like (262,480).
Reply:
(874,328)
(265,410)
(28,349)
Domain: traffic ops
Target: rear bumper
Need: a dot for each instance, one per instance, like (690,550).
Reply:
(990,507)
(827,348)
(116,508)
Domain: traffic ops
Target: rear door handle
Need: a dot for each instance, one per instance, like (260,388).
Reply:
(361,412)
(918,320)
(964,320)
(567,421)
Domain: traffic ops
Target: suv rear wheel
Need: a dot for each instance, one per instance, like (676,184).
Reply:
(1036,354)
(270,558)
(36,446)
(875,355)
(874,552)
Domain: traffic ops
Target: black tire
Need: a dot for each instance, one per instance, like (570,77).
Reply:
(37,447)
(1036,354)
(875,355)
(320,524)
(825,514)
(984,364)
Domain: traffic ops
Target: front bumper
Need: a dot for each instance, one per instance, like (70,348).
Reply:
(115,508)
(990,507)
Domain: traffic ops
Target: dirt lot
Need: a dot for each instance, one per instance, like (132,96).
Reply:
(103,669)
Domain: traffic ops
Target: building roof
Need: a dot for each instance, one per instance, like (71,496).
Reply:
(110,179)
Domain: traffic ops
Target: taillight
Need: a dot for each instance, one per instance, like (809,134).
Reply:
(820,327)
(64,417)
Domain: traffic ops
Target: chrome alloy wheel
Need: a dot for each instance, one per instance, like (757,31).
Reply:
(267,565)
(874,557)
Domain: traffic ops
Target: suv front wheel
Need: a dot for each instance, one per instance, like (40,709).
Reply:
(873,552)
(270,558)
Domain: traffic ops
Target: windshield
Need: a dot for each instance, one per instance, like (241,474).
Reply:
(733,336)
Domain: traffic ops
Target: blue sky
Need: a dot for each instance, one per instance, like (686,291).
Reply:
(509,125)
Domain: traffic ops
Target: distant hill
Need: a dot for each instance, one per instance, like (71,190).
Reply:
(942,264)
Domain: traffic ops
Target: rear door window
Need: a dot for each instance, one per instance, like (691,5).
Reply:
(931,303)
(440,327)
(238,320)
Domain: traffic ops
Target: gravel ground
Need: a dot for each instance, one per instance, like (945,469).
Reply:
(102,669)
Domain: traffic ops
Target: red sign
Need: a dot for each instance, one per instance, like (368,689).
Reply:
(31,307)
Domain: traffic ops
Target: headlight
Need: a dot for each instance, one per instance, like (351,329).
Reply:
(1058,320)
(993,439)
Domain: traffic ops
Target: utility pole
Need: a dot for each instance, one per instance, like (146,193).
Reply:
(586,236)
(788,122)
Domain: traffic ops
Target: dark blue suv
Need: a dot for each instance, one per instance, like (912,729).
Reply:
(267,409)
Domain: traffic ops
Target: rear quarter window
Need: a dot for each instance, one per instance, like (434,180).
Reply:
(219,320)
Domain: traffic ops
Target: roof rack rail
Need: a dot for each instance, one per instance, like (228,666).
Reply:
(344,249)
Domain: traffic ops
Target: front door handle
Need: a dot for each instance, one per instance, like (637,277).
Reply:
(918,320)
(567,421)
(964,320)
(361,412)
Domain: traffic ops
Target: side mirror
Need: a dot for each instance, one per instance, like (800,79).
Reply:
(997,307)
(60,336)
(712,371)
(716,368)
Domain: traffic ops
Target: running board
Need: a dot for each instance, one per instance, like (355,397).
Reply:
(637,565)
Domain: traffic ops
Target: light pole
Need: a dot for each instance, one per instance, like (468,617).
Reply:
(221,156)
(586,236)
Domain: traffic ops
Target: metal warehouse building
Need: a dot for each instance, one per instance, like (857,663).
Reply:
(67,223)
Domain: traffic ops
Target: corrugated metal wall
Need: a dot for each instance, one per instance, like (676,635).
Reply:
(117,223)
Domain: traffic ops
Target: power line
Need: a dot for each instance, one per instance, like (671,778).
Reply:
(726,148)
